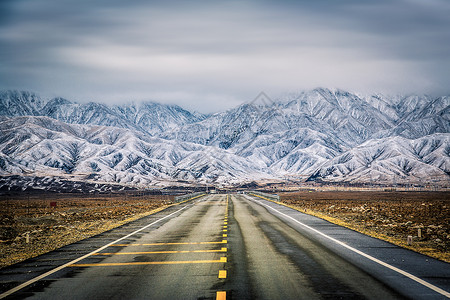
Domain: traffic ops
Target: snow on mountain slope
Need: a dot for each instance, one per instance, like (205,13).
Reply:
(15,103)
(392,159)
(87,113)
(305,151)
(275,148)
(351,118)
(234,129)
(42,146)
(434,117)
(149,117)
(331,135)
(155,118)
(345,116)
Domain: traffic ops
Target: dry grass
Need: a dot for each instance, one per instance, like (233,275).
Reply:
(390,216)
(74,218)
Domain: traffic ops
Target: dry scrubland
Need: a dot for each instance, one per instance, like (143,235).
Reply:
(391,216)
(74,218)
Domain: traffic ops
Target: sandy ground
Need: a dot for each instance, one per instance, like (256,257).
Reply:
(33,225)
(391,216)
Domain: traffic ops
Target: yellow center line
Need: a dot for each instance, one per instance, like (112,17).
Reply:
(164,252)
(221,295)
(162,244)
(222,260)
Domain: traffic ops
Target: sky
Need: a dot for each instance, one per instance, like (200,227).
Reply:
(212,55)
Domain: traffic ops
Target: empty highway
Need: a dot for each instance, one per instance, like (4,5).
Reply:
(228,247)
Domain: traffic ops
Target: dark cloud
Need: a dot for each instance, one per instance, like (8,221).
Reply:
(210,55)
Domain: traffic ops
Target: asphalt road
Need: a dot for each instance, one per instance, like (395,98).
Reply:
(228,247)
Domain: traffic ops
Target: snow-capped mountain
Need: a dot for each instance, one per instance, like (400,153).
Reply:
(15,103)
(395,159)
(327,135)
(44,146)
(148,117)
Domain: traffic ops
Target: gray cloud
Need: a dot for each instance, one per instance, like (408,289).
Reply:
(209,55)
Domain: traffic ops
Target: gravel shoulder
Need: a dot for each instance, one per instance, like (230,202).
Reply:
(37,224)
(390,216)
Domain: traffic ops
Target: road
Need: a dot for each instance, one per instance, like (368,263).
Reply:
(228,247)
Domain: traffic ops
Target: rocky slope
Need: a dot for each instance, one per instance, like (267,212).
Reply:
(326,135)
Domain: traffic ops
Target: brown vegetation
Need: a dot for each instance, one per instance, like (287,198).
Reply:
(52,221)
(392,216)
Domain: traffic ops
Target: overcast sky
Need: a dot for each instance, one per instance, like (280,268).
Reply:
(212,55)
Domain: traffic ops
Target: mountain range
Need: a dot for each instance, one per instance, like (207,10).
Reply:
(318,135)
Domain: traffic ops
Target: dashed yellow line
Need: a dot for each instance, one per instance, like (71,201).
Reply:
(221,295)
(164,252)
(221,260)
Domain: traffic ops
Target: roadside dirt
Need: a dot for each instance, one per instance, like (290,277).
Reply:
(391,216)
(33,225)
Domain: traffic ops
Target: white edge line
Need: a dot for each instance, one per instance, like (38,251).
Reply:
(409,275)
(31,281)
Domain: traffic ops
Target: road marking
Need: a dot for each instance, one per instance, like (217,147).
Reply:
(37,278)
(150,263)
(400,271)
(221,295)
(162,244)
(164,252)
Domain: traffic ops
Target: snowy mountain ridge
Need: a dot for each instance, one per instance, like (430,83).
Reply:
(326,135)
(149,117)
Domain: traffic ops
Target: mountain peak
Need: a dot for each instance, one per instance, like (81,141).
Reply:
(331,135)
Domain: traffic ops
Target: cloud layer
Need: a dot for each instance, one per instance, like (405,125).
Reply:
(210,55)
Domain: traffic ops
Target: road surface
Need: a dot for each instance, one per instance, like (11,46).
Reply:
(228,247)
